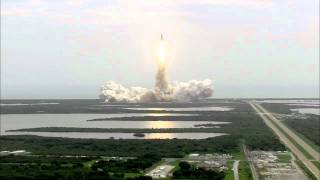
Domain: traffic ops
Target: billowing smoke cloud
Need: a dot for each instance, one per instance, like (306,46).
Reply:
(113,92)
(163,92)
(192,90)
(179,91)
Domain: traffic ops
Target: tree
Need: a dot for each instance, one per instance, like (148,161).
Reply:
(184,165)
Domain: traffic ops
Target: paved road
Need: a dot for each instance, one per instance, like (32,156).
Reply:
(235,170)
(269,120)
(252,167)
(301,175)
(307,147)
(161,171)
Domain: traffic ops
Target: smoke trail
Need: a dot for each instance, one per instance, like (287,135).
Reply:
(163,90)
(162,84)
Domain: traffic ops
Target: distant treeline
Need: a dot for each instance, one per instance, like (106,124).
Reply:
(94,106)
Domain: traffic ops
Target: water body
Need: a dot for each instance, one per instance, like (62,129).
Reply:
(210,108)
(21,121)
(121,135)
(115,105)
(307,105)
(21,104)
(315,111)
(293,102)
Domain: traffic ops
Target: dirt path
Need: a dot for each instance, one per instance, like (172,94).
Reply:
(235,169)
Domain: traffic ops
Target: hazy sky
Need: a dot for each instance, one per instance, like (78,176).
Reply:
(249,48)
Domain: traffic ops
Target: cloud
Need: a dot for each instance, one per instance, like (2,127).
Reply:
(309,36)
(120,8)
(76,2)
(15,12)
(306,36)
(240,3)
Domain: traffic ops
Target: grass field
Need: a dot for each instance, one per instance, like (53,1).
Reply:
(284,158)
(229,172)
(244,171)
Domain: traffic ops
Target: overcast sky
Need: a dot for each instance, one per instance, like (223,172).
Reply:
(249,48)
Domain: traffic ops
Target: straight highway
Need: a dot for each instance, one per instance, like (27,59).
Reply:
(289,139)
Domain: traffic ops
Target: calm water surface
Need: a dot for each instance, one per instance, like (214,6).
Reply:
(121,135)
(315,111)
(20,121)
(210,108)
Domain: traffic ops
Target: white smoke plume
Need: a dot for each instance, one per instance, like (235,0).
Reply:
(163,92)
(179,91)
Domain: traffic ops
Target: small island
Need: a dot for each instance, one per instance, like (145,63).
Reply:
(207,125)
(139,135)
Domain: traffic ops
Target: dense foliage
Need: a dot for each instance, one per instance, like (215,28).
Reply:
(309,127)
(22,167)
(131,165)
(123,147)
(89,106)
(186,171)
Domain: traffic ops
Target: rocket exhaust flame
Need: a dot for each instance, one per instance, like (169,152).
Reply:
(163,91)
(162,53)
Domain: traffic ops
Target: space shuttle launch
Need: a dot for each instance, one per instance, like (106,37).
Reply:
(162,86)
(163,90)
(162,53)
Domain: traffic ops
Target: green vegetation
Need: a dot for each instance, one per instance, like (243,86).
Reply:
(246,126)
(310,175)
(139,134)
(284,158)
(306,140)
(129,166)
(122,147)
(306,170)
(239,154)
(186,171)
(55,167)
(277,108)
(43,159)
(90,106)
(229,173)
(309,126)
(293,141)
(42,167)
(52,170)
(14,167)
(316,163)
(244,171)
